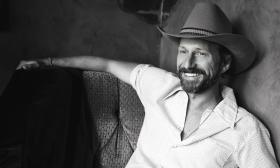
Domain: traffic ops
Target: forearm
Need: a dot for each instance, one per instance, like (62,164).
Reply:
(80,62)
(120,69)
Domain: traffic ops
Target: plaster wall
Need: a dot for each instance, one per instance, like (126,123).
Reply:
(258,89)
(60,28)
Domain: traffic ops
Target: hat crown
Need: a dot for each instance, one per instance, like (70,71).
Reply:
(207,17)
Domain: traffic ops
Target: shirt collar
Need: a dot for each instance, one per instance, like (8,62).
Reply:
(227,108)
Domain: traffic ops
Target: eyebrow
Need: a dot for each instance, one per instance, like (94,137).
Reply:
(197,49)
(200,49)
(182,47)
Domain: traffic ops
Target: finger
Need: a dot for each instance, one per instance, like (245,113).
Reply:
(27,65)
(21,63)
(32,65)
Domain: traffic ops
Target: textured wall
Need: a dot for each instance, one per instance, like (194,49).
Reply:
(82,27)
(258,89)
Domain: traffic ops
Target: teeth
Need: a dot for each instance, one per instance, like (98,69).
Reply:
(191,74)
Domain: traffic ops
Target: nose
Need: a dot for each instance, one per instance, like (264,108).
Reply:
(188,61)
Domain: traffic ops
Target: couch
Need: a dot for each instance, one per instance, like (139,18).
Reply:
(58,117)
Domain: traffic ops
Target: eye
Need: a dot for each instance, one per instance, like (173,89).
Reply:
(182,51)
(201,53)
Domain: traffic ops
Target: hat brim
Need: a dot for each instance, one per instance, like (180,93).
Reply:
(243,51)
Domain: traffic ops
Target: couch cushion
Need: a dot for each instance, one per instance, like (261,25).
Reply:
(117,116)
(131,112)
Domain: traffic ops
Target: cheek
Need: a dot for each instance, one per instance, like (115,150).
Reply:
(214,67)
(179,61)
(211,68)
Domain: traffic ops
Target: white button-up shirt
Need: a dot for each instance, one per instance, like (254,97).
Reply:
(228,136)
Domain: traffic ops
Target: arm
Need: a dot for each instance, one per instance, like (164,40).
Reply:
(256,152)
(120,69)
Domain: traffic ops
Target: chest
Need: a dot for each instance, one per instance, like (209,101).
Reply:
(206,153)
(192,122)
(176,109)
(160,140)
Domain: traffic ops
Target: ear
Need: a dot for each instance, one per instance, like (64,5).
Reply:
(226,63)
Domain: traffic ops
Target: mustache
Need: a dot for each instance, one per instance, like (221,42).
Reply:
(191,70)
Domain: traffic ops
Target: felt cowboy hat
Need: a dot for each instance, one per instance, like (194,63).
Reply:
(208,22)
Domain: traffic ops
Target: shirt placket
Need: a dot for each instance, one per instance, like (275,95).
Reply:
(204,117)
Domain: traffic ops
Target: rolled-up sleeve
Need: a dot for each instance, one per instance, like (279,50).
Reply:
(152,83)
(136,74)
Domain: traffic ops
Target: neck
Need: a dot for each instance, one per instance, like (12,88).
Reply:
(208,99)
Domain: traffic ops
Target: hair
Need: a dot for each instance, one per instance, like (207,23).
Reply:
(223,51)
(225,77)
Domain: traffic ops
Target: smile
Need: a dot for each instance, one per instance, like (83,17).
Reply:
(191,74)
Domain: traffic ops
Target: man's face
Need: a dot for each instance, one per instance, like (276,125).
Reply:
(198,64)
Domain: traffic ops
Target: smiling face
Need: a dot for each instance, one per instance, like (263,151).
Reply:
(199,64)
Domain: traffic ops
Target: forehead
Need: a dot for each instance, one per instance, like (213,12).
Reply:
(197,43)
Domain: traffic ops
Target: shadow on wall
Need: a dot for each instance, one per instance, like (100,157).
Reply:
(4,16)
(151,11)
(9,48)
(257,89)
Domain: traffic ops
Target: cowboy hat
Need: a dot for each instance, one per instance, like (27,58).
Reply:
(208,22)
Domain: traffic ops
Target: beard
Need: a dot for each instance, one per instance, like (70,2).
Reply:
(197,84)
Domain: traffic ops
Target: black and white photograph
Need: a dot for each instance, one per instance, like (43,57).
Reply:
(139,84)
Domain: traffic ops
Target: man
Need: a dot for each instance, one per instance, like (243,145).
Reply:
(191,120)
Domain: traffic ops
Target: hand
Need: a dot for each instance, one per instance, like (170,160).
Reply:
(28,64)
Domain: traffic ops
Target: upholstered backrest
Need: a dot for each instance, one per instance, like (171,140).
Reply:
(117,115)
